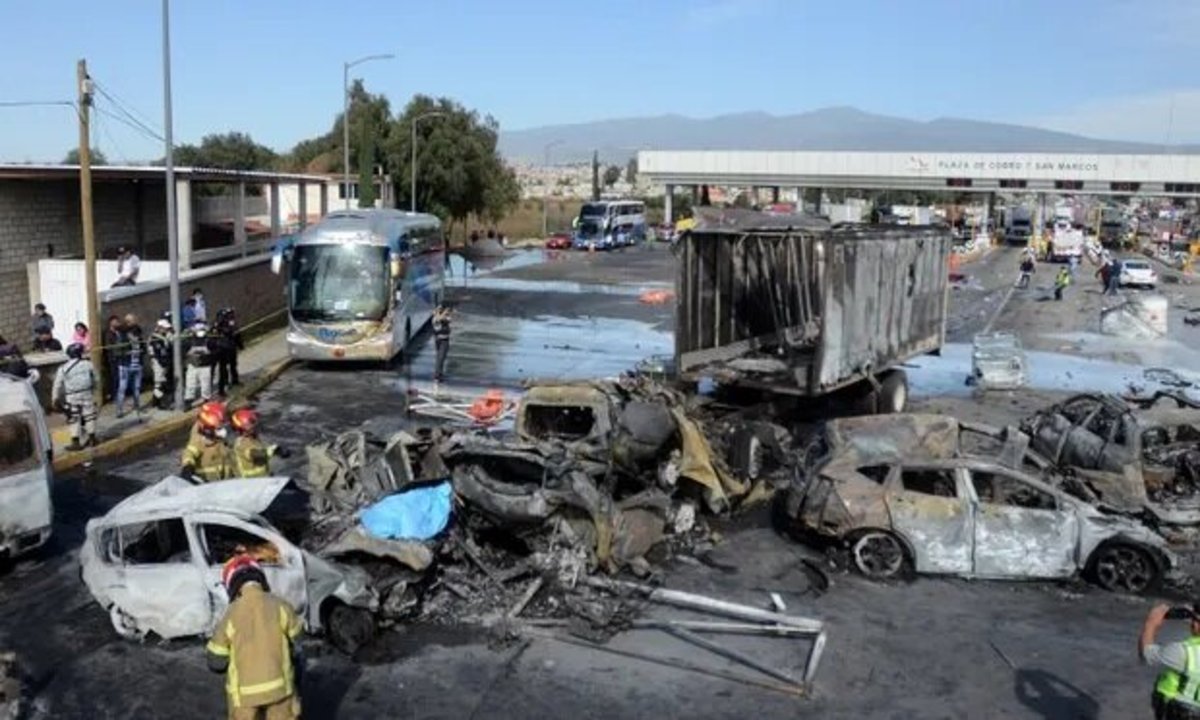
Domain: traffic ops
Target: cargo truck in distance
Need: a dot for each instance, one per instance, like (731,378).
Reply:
(1019,226)
(791,305)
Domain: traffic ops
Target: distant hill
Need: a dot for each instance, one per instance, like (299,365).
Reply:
(839,128)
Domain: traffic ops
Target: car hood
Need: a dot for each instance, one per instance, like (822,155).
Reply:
(174,494)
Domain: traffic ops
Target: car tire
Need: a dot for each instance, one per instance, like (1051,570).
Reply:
(747,454)
(125,625)
(879,555)
(349,628)
(893,392)
(1126,568)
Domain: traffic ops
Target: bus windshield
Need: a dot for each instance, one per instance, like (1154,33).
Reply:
(593,210)
(338,283)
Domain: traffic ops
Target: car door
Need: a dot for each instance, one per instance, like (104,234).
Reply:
(929,509)
(149,571)
(220,537)
(1021,529)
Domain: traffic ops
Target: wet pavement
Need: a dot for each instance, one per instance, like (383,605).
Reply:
(930,648)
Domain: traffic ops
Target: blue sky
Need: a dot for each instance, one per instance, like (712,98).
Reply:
(1109,68)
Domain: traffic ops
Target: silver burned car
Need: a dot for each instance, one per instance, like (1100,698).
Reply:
(904,492)
(154,561)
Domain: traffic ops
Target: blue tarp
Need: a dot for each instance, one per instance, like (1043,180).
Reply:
(416,514)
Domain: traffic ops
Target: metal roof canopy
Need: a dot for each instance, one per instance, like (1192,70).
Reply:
(150,172)
(1086,174)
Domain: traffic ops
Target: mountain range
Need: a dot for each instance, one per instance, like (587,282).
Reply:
(837,128)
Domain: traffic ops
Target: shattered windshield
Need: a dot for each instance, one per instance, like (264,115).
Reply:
(338,282)
(18,449)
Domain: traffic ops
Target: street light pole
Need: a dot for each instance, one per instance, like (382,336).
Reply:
(412,188)
(546,194)
(172,222)
(346,119)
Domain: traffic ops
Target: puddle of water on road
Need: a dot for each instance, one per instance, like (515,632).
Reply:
(555,286)
(460,267)
(946,375)
(1155,353)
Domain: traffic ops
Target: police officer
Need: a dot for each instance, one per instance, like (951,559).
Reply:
(206,457)
(74,384)
(162,365)
(441,340)
(256,646)
(227,341)
(1177,692)
(251,455)
(198,380)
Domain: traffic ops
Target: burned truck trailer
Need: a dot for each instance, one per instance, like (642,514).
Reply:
(794,305)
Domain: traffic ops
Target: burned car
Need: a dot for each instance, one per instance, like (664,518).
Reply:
(1130,458)
(905,493)
(154,561)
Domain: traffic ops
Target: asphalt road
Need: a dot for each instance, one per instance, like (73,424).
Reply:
(929,648)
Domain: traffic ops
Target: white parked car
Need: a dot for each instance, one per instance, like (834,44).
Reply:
(26,471)
(1138,272)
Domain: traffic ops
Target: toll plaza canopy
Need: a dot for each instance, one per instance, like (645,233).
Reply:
(1098,174)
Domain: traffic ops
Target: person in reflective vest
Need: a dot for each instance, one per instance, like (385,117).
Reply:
(73,390)
(251,455)
(1177,691)
(256,646)
(206,457)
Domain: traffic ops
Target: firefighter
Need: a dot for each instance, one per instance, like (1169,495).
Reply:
(161,363)
(74,385)
(206,457)
(256,646)
(251,455)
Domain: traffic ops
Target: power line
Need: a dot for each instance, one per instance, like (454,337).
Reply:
(127,117)
(126,108)
(135,127)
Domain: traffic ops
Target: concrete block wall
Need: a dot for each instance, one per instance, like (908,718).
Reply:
(248,286)
(40,219)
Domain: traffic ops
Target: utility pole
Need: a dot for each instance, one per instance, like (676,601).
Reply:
(84,84)
(172,217)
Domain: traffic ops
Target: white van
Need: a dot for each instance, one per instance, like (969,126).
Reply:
(26,471)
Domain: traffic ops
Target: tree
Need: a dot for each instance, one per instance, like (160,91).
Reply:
(612,174)
(631,170)
(459,171)
(595,175)
(366,168)
(227,151)
(72,157)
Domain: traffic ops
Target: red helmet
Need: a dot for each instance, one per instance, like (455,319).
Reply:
(237,565)
(211,415)
(244,420)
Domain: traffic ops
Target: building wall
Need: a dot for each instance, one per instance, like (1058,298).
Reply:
(40,219)
(248,286)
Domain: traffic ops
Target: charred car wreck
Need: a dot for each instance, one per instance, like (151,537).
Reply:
(1128,458)
(930,494)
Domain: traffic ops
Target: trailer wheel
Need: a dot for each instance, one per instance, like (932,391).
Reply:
(893,392)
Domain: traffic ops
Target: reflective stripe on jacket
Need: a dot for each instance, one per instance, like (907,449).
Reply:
(209,459)
(1174,687)
(252,457)
(256,637)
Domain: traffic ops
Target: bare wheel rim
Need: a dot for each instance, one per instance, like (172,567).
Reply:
(878,555)
(123,623)
(1124,568)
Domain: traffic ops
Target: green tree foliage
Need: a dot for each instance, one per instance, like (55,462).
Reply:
(595,175)
(72,157)
(612,174)
(631,170)
(366,167)
(459,171)
(370,114)
(228,151)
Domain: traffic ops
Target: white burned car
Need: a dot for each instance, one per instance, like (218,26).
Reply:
(154,561)
(906,492)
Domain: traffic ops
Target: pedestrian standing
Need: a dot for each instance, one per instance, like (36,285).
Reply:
(441,341)
(74,386)
(41,326)
(130,366)
(227,343)
(1027,268)
(1114,278)
(1177,691)
(1061,281)
(82,336)
(256,645)
(114,336)
(187,316)
(198,380)
(161,363)
(199,307)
